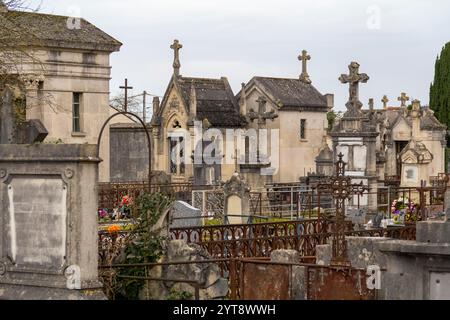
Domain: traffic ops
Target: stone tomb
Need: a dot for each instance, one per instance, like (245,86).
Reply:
(183,215)
(48,248)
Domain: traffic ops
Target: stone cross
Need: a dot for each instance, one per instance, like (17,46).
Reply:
(353,79)
(126,88)
(403,98)
(371,104)
(304,57)
(385,100)
(176,46)
(262,115)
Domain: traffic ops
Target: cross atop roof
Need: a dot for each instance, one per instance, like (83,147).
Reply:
(304,57)
(176,46)
(385,100)
(353,79)
(403,98)
(126,88)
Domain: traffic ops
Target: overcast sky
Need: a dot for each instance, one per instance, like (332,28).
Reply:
(395,41)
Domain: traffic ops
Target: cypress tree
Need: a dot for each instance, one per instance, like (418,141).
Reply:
(440,88)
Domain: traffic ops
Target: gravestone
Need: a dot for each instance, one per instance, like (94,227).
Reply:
(357,216)
(184,215)
(48,201)
(14,131)
(237,200)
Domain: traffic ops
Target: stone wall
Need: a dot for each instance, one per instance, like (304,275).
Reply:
(128,153)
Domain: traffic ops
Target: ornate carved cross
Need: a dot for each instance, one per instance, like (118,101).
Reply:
(304,57)
(176,46)
(341,188)
(126,88)
(403,98)
(385,101)
(261,115)
(353,79)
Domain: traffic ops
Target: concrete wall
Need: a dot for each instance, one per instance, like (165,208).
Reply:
(129,153)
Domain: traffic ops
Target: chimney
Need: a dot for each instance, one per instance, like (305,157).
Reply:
(330,101)
(155,105)
(243,101)
(193,102)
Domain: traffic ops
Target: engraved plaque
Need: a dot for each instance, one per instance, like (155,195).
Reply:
(37,221)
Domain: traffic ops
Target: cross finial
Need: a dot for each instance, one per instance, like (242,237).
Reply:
(353,79)
(385,100)
(126,88)
(176,46)
(371,104)
(304,57)
(403,98)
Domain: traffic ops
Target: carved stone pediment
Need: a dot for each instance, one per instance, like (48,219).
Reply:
(236,186)
(416,153)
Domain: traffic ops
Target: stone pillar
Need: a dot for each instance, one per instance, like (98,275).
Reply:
(48,222)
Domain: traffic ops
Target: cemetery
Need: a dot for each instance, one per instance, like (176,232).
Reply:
(356,210)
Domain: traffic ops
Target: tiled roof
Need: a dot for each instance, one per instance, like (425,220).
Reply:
(215,101)
(21,28)
(292,93)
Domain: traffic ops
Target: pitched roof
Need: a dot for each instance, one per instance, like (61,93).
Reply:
(21,28)
(291,93)
(215,100)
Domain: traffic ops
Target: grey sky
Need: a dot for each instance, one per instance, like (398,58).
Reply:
(240,39)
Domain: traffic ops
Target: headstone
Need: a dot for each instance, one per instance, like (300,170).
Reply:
(48,248)
(237,200)
(356,215)
(184,215)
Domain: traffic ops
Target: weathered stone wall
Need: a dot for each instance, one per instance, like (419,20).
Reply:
(212,285)
(129,153)
(48,248)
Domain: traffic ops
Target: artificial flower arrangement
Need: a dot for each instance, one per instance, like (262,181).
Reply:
(126,205)
(403,210)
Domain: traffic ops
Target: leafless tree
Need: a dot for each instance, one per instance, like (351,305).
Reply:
(18,51)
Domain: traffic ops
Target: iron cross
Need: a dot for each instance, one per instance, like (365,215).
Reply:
(176,46)
(341,188)
(353,79)
(403,98)
(126,88)
(304,58)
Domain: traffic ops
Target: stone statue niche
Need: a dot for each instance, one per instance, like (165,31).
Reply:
(14,128)
(237,201)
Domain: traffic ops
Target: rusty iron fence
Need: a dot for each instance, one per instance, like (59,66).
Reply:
(259,240)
